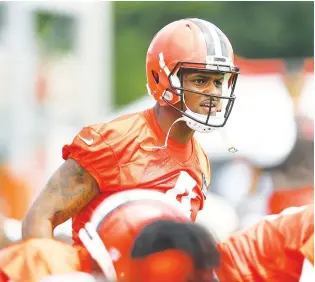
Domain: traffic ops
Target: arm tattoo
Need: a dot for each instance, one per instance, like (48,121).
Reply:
(69,174)
(65,214)
(74,187)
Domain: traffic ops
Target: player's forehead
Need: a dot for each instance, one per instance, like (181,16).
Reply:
(193,73)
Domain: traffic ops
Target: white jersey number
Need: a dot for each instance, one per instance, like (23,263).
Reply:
(184,184)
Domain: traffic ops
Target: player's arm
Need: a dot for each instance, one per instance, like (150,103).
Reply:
(69,189)
(250,253)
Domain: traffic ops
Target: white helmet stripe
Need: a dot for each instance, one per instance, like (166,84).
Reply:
(213,40)
(216,39)
(118,199)
(223,42)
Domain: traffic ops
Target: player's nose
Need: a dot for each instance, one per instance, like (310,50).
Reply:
(213,90)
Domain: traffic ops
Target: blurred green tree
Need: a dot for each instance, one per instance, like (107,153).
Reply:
(257,29)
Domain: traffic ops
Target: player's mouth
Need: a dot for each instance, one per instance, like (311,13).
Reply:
(210,103)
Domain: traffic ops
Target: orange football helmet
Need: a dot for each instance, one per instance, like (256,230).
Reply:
(197,45)
(114,238)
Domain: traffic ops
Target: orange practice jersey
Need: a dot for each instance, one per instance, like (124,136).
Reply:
(272,250)
(33,259)
(119,155)
(282,199)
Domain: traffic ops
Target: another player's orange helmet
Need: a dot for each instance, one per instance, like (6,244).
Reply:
(117,238)
(192,44)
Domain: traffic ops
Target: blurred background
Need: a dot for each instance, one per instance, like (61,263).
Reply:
(67,65)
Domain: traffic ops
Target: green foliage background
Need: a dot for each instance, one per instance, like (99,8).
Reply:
(257,29)
(266,29)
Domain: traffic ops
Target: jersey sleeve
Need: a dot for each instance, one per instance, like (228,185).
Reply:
(208,176)
(296,224)
(96,156)
(274,247)
(247,255)
(205,169)
(34,259)
(204,162)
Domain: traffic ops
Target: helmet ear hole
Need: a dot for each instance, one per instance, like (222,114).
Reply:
(155,76)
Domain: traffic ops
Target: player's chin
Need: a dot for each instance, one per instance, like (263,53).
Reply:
(203,110)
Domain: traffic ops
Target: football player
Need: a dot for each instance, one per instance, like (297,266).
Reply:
(277,248)
(293,180)
(191,75)
(133,236)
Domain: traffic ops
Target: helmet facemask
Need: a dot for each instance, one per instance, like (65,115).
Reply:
(219,106)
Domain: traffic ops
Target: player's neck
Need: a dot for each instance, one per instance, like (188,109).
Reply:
(165,116)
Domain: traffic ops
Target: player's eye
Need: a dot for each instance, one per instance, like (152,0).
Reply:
(200,81)
(218,83)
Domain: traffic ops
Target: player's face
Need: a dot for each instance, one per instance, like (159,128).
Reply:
(207,83)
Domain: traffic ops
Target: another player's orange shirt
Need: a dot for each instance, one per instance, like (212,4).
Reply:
(33,259)
(272,250)
(15,195)
(120,155)
(282,199)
